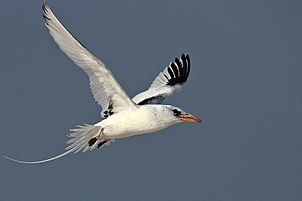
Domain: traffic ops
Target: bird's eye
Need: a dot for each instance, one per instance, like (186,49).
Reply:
(176,112)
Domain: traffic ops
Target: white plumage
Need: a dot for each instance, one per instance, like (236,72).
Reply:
(123,117)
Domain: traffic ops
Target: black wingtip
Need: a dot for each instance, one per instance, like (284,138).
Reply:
(46,18)
(45,11)
(188,63)
(44,6)
(179,70)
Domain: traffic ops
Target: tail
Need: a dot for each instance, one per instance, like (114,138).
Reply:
(87,137)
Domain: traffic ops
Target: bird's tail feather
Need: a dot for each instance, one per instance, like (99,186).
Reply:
(84,138)
(41,161)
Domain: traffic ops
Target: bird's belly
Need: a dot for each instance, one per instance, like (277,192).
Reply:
(129,125)
(127,130)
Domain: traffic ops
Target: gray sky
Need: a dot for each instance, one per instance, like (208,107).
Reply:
(245,84)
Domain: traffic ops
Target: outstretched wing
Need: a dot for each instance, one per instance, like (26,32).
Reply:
(106,90)
(167,83)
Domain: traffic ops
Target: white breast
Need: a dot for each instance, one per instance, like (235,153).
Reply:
(146,119)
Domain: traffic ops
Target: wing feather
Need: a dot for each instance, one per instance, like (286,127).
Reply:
(167,83)
(103,85)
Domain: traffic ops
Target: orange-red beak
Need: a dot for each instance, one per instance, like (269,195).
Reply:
(189,118)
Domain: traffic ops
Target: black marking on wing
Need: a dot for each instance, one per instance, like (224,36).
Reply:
(152,100)
(45,10)
(44,5)
(179,70)
(109,111)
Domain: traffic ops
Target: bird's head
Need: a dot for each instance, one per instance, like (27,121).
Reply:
(183,116)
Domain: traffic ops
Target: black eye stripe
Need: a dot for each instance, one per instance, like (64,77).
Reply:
(176,112)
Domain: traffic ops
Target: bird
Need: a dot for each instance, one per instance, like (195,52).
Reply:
(122,116)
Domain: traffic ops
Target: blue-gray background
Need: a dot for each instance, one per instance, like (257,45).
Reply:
(245,84)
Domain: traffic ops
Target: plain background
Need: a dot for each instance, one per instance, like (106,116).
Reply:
(245,84)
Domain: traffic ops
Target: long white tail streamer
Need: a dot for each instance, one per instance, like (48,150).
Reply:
(79,141)
(40,161)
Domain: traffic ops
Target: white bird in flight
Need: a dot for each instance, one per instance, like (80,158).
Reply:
(123,117)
